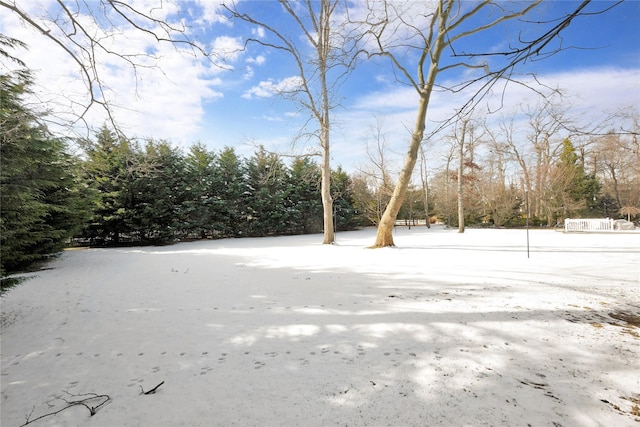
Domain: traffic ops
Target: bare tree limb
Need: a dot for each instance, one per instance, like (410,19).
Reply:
(102,398)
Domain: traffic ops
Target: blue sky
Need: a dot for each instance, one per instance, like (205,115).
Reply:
(233,104)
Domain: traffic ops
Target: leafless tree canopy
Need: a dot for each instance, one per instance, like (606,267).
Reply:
(85,30)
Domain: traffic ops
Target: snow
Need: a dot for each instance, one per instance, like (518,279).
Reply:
(444,329)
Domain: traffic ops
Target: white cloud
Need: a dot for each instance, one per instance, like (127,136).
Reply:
(597,90)
(388,100)
(228,48)
(160,11)
(249,71)
(258,60)
(248,74)
(268,88)
(587,92)
(258,32)
(167,101)
(209,13)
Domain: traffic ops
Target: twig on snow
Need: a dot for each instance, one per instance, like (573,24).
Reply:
(152,391)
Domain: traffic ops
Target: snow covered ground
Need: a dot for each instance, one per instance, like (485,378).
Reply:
(446,329)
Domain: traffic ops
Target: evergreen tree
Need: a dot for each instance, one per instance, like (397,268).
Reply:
(343,200)
(573,187)
(159,213)
(303,197)
(231,195)
(41,201)
(268,212)
(200,202)
(110,169)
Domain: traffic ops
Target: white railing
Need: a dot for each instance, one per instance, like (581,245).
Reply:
(597,224)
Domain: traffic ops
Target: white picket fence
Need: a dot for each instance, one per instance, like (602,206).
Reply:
(592,224)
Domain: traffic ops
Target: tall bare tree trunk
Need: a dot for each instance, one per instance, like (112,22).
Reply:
(425,184)
(461,178)
(324,49)
(327,200)
(384,236)
(447,185)
(614,178)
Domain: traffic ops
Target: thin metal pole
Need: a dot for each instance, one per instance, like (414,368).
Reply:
(526,195)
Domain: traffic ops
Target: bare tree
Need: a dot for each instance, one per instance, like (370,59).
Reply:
(443,25)
(611,158)
(532,137)
(615,157)
(545,123)
(449,199)
(460,187)
(500,199)
(319,71)
(424,179)
(377,170)
(466,140)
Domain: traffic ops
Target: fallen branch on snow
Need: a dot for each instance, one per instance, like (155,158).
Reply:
(71,403)
(85,401)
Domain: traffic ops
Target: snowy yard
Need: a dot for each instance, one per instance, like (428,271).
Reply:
(446,329)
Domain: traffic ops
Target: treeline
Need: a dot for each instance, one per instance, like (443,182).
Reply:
(121,190)
(152,192)
(505,176)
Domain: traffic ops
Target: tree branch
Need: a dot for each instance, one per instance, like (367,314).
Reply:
(70,404)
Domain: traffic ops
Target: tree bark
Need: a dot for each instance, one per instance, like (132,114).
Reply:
(327,200)
(425,185)
(384,236)
(324,49)
(461,177)
(614,178)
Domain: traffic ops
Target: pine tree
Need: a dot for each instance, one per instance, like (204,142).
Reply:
(160,215)
(198,208)
(572,185)
(267,177)
(41,201)
(343,200)
(303,195)
(110,169)
(231,195)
